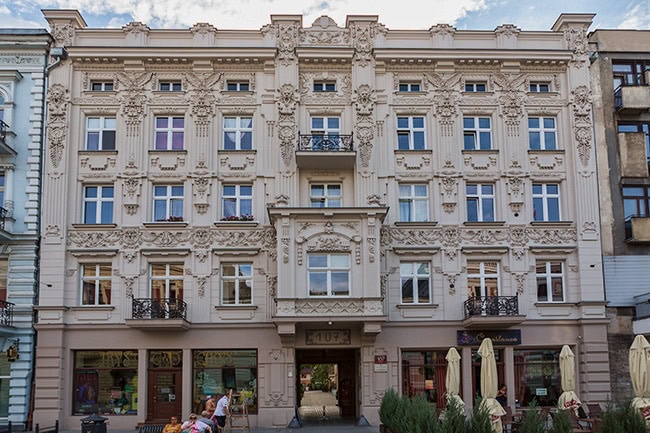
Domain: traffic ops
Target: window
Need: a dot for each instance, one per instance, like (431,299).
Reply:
(636,201)
(96,284)
(539,87)
(542,133)
(534,370)
(4,274)
(237,86)
(409,87)
(237,202)
(168,203)
(325,133)
(410,133)
(237,284)
(415,283)
(550,281)
(480,202)
(170,133)
(237,133)
(100,133)
(170,86)
(643,127)
(477,133)
(216,371)
(475,87)
(98,205)
(101,86)
(167,281)
(482,279)
(2,189)
(324,86)
(546,202)
(325,195)
(413,202)
(629,73)
(329,274)
(423,375)
(105,382)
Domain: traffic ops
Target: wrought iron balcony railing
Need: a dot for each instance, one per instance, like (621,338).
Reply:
(167,308)
(325,143)
(4,213)
(618,97)
(6,313)
(492,306)
(3,131)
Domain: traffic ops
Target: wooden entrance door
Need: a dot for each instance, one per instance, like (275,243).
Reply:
(165,389)
(347,388)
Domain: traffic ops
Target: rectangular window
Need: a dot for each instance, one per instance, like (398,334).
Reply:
(415,281)
(477,133)
(100,133)
(480,202)
(168,203)
(96,284)
(237,133)
(105,381)
(629,72)
(237,202)
(325,195)
(423,375)
(546,202)
(4,274)
(413,202)
(410,133)
(539,87)
(482,279)
(476,87)
(542,133)
(2,189)
(170,86)
(237,86)
(643,127)
(167,281)
(98,204)
(329,274)
(237,284)
(170,133)
(325,133)
(636,201)
(535,370)
(101,86)
(216,372)
(324,86)
(409,87)
(550,281)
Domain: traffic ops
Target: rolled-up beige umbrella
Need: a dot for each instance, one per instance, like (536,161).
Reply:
(639,363)
(568,399)
(452,379)
(489,384)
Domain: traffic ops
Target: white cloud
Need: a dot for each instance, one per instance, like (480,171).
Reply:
(9,20)
(636,17)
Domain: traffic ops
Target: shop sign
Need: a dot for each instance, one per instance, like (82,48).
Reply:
(327,336)
(499,338)
(381,363)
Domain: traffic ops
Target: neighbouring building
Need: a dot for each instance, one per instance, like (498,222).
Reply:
(23,61)
(620,72)
(223,206)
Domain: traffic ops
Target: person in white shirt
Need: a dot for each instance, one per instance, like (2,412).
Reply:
(222,411)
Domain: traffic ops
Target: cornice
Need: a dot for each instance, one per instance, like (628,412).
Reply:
(166,55)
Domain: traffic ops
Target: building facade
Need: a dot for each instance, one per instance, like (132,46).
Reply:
(620,71)
(239,203)
(23,61)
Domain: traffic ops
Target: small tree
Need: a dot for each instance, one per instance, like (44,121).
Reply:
(388,408)
(533,420)
(453,420)
(632,419)
(610,420)
(481,420)
(561,422)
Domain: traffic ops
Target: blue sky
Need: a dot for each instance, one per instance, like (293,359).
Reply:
(395,14)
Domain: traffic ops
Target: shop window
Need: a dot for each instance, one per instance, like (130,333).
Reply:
(476,371)
(105,382)
(537,377)
(218,372)
(423,375)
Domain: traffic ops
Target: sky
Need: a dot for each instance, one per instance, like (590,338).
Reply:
(394,14)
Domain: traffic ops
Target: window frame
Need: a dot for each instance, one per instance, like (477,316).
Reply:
(409,86)
(329,269)
(634,77)
(481,199)
(482,276)
(541,131)
(324,86)
(414,276)
(239,130)
(642,200)
(99,200)
(103,133)
(536,87)
(169,132)
(170,198)
(642,127)
(238,278)
(411,132)
(473,86)
(102,86)
(238,198)
(238,84)
(172,86)
(550,278)
(412,198)
(545,196)
(326,197)
(477,132)
(168,278)
(96,280)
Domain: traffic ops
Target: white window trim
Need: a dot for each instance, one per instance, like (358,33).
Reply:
(237,279)
(100,130)
(329,269)
(167,278)
(238,197)
(548,275)
(238,84)
(473,85)
(169,198)
(238,130)
(171,85)
(170,129)
(320,86)
(480,197)
(96,279)
(411,130)
(415,276)
(476,131)
(482,276)
(541,131)
(534,87)
(412,199)
(326,197)
(409,85)
(545,196)
(99,200)
(103,84)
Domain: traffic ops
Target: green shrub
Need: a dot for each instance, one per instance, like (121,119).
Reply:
(632,419)
(388,408)
(406,415)
(453,420)
(561,422)
(422,417)
(533,420)
(610,420)
(481,420)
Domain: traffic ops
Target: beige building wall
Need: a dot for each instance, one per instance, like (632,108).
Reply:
(282,62)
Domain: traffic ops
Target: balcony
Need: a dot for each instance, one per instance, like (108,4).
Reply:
(637,229)
(5,149)
(158,314)
(492,312)
(632,99)
(325,151)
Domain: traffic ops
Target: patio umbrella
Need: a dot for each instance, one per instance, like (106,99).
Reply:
(568,399)
(452,380)
(639,363)
(489,384)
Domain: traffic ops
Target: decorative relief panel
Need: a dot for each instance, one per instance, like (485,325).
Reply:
(323,32)
(340,97)
(582,124)
(133,99)
(547,161)
(166,161)
(202,99)
(511,100)
(446,100)
(480,160)
(286,38)
(287,100)
(57,125)
(363,40)
(364,100)
(97,161)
